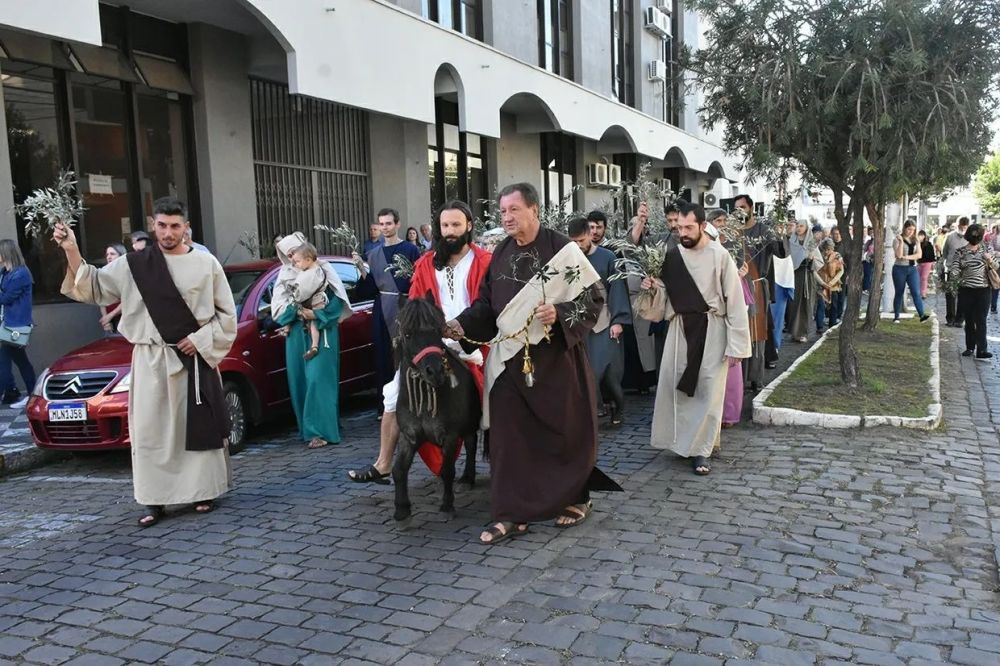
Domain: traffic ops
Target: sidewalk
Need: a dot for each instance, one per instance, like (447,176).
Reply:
(17,451)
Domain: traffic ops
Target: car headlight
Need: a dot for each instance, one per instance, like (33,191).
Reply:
(37,390)
(124,385)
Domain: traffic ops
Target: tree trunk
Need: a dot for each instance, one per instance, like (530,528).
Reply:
(850,371)
(874,313)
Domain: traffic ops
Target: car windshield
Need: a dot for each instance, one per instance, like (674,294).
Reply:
(240,283)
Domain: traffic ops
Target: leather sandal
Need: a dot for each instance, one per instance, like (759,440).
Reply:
(502,530)
(370,475)
(152,516)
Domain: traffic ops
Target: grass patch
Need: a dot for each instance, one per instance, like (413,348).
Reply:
(895,372)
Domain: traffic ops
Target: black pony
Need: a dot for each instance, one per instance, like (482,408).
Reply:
(438,401)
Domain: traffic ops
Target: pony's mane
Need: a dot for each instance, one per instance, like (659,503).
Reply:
(420,315)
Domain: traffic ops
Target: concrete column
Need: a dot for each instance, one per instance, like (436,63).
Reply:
(512,27)
(409,5)
(8,221)
(223,138)
(399,168)
(592,46)
(518,155)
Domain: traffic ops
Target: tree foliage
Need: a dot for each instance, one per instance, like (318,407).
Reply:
(870,98)
(987,187)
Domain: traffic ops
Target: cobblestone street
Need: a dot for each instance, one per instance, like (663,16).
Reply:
(803,546)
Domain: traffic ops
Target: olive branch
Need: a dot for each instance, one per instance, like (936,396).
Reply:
(48,206)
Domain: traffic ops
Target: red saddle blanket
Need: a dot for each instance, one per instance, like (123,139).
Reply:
(431,453)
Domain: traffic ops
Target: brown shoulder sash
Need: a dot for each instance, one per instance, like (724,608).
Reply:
(207,420)
(687,301)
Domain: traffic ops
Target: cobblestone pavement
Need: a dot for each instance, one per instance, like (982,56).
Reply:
(803,546)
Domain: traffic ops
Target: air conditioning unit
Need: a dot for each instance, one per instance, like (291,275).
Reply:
(614,175)
(709,200)
(597,175)
(657,70)
(666,187)
(656,22)
(665,6)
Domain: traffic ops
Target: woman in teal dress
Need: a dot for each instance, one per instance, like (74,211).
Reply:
(314,384)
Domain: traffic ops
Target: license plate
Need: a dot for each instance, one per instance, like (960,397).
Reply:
(70,411)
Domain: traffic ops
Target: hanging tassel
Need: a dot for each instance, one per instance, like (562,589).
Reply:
(197,383)
(528,369)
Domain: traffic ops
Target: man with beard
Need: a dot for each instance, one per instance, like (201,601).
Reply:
(453,273)
(698,288)
(761,245)
(607,360)
(644,340)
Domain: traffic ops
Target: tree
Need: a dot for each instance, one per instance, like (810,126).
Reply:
(866,97)
(987,187)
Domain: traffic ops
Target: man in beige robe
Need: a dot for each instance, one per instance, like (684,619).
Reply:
(689,423)
(164,471)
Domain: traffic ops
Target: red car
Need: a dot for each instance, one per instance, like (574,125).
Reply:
(80,402)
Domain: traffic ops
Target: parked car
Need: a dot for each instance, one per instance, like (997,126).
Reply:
(80,402)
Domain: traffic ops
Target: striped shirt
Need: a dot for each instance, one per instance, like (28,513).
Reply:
(970,265)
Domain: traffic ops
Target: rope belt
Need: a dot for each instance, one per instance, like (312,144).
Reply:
(197,374)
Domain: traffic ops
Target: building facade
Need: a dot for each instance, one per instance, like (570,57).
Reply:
(269,116)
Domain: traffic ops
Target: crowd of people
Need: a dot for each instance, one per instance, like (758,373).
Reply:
(702,331)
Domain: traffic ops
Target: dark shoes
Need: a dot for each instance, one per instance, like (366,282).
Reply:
(968,352)
(10,397)
(925,317)
(771,365)
(984,356)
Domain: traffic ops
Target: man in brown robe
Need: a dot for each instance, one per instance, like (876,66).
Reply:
(543,433)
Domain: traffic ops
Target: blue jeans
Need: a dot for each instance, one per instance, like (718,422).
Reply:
(829,312)
(903,277)
(10,354)
(868,269)
(782,296)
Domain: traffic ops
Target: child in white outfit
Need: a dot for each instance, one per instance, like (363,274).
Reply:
(309,289)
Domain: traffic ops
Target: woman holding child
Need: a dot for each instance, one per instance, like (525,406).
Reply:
(311,315)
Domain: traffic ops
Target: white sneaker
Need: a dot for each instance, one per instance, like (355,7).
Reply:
(20,404)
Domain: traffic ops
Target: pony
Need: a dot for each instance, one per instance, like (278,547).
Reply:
(438,401)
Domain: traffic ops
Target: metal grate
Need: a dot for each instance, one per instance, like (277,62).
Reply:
(311,165)
(78,385)
(81,432)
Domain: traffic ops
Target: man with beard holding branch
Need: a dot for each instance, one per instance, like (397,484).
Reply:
(452,272)
(699,285)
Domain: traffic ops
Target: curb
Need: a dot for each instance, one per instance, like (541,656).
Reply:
(786,416)
(28,458)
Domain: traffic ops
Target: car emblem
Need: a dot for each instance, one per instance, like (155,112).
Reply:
(73,386)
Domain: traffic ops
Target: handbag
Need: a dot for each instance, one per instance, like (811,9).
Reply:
(991,273)
(16,336)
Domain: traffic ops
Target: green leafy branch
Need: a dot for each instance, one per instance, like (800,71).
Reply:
(48,206)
